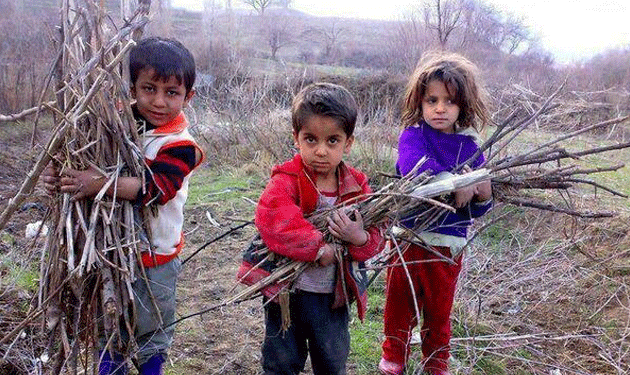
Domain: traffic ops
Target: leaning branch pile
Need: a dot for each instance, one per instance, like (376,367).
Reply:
(92,248)
(520,178)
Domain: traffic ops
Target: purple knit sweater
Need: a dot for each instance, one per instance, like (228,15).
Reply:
(444,152)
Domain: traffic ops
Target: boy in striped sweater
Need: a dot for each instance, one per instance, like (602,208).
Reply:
(162,76)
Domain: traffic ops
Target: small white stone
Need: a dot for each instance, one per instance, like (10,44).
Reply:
(32,228)
(44,357)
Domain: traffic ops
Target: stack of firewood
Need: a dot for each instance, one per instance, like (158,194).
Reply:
(90,259)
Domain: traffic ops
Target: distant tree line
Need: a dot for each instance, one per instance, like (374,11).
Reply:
(237,40)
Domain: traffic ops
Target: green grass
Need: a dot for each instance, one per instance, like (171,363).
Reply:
(19,276)
(366,337)
(227,185)
(487,365)
(365,344)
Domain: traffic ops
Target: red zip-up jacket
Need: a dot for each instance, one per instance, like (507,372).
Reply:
(288,198)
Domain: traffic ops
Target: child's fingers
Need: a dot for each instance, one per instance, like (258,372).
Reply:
(70,172)
(333,232)
(340,218)
(463,196)
(51,180)
(68,182)
(333,227)
(342,214)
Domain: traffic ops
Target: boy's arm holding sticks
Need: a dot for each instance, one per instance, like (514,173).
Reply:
(87,183)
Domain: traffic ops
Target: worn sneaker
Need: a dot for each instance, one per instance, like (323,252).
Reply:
(390,368)
(438,372)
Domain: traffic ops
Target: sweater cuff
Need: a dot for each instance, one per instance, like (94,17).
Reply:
(483,203)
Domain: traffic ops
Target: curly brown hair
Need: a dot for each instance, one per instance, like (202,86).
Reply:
(458,74)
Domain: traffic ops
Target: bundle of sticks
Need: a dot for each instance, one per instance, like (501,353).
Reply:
(90,259)
(410,194)
(553,165)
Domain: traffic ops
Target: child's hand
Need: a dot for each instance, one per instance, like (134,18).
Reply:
(326,256)
(50,178)
(342,227)
(465,194)
(82,184)
(483,190)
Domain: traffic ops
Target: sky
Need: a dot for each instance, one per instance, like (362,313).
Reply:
(571,30)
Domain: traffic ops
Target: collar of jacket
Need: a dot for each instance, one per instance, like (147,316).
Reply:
(306,178)
(176,125)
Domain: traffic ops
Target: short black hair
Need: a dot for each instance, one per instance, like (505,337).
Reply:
(324,99)
(167,57)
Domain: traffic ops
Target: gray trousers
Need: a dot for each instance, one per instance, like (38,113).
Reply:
(153,337)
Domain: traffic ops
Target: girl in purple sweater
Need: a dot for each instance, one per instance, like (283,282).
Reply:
(444,111)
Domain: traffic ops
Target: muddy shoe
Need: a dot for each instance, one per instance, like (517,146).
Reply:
(390,368)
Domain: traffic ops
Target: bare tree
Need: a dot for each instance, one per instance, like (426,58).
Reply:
(259,5)
(280,33)
(163,19)
(484,26)
(328,37)
(408,41)
(443,17)
(515,34)
(208,15)
(25,54)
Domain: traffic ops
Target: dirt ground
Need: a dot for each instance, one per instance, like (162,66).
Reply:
(225,340)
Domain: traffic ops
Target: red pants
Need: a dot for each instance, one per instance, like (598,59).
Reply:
(434,284)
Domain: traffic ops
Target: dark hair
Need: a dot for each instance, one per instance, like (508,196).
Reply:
(459,75)
(167,57)
(324,99)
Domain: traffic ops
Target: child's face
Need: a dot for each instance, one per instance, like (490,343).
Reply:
(158,101)
(322,144)
(438,108)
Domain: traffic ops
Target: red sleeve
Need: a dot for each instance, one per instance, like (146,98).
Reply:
(165,174)
(281,223)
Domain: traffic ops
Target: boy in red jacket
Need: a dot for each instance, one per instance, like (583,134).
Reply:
(323,117)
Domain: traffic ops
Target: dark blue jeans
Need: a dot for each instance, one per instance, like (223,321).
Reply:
(316,330)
